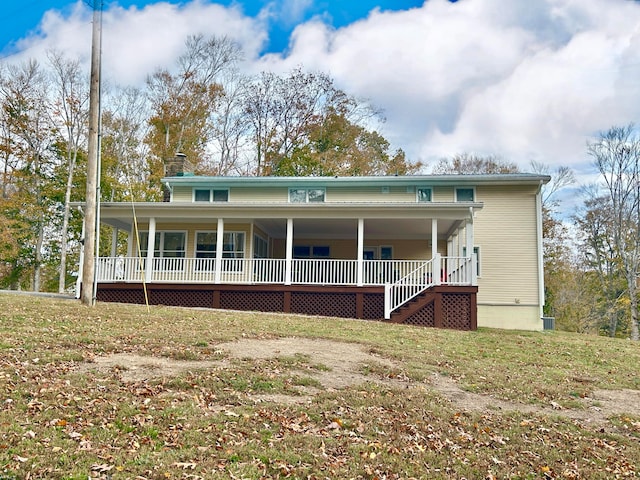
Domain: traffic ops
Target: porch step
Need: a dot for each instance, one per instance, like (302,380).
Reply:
(413,306)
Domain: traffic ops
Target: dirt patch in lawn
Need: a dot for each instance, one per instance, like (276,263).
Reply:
(348,364)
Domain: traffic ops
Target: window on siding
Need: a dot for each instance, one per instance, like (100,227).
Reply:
(316,251)
(386,252)
(423,194)
(220,195)
(206,245)
(232,247)
(201,195)
(166,245)
(260,247)
(306,195)
(465,195)
(232,244)
(207,195)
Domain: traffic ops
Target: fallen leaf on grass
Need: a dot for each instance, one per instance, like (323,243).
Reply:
(101,468)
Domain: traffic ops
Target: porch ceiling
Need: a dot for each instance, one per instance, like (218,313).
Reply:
(348,228)
(317,221)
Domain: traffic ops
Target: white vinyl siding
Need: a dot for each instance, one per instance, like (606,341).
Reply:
(371,194)
(260,195)
(506,231)
(182,194)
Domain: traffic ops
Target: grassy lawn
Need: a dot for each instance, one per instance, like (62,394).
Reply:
(239,416)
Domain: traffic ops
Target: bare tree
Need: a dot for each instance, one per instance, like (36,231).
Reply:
(468,163)
(124,152)
(182,102)
(70,115)
(230,132)
(616,155)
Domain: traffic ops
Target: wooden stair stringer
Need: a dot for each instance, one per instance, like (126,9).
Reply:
(416,304)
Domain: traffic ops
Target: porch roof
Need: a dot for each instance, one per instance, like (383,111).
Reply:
(398,180)
(408,220)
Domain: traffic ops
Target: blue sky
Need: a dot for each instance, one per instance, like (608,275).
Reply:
(22,17)
(524,80)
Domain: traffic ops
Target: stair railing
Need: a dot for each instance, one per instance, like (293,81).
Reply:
(411,285)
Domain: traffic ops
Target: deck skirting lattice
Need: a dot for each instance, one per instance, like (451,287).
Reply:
(448,307)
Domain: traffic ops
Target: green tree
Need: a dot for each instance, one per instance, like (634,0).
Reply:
(601,263)
(27,111)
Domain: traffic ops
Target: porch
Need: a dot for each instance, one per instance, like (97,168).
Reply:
(349,259)
(396,290)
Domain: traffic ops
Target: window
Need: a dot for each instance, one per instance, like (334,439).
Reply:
(232,244)
(306,195)
(201,195)
(465,195)
(206,246)
(206,195)
(386,253)
(423,194)
(166,245)
(260,247)
(220,195)
(306,251)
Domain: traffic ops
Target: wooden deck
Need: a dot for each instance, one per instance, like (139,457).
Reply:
(441,306)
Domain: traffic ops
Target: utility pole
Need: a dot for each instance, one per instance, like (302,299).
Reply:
(87,296)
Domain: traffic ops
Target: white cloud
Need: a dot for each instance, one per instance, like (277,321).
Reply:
(523,80)
(135,41)
(520,79)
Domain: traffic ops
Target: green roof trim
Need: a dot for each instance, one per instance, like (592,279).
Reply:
(435,180)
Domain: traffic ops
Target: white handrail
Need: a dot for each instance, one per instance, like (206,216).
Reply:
(406,276)
(412,284)
(448,271)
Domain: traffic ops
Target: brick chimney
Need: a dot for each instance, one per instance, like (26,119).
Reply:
(177,166)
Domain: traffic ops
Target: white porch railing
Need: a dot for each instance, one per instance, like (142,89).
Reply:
(448,271)
(403,279)
(253,270)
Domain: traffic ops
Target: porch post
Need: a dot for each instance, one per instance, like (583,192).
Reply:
(151,247)
(472,278)
(469,237)
(114,242)
(360,261)
(434,237)
(130,242)
(289,253)
(219,250)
